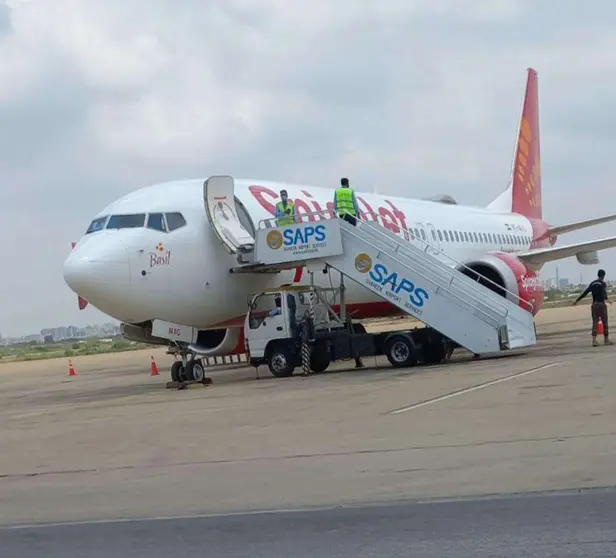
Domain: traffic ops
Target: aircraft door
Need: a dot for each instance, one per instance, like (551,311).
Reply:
(433,236)
(220,207)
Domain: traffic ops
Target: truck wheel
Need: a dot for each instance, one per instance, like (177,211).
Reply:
(280,361)
(399,350)
(434,352)
(319,360)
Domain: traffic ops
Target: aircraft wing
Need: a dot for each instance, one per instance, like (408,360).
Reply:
(562,229)
(541,256)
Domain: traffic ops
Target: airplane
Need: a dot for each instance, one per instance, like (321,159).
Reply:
(156,253)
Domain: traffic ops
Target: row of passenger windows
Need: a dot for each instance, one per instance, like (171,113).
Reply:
(163,222)
(474,237)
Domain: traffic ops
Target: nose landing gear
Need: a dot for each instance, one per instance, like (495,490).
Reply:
(188,369)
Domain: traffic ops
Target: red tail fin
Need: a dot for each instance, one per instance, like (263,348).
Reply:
(81,301)
(526,194)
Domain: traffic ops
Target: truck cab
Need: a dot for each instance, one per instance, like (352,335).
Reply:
(273,326)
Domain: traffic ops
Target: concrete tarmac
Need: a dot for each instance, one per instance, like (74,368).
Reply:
(542,526)
(113,443)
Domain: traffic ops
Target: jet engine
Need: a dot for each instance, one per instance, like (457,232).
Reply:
(210,342)
(508,276)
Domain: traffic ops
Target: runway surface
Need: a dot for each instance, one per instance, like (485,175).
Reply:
(541,526)
(112,443)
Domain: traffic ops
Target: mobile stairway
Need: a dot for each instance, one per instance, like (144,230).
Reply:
(417,282)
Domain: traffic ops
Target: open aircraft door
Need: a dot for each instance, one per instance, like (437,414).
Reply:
(221,210)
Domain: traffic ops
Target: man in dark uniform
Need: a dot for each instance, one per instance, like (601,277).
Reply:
(598,309)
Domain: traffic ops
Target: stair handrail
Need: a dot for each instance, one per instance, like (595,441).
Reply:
(328,214)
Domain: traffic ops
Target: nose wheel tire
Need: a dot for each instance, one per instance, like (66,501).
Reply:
(195,372)
(178,373)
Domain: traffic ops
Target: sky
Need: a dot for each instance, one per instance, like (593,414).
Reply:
(101,97)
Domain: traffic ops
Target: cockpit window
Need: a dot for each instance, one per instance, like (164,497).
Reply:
(97,225)
(175,221)
(126,221)
(156,222)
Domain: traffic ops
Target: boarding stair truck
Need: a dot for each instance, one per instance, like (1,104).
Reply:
(455,308)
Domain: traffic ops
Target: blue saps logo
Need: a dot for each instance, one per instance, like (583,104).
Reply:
(398,287)
(303,235)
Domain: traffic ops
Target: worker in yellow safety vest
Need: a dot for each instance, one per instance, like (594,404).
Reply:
(345,203)
(285,210)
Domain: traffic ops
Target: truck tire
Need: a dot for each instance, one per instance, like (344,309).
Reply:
(280,360)
(400,350)
(319,359)
(435,349)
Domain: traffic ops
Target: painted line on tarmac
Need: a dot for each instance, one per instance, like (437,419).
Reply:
(471,389)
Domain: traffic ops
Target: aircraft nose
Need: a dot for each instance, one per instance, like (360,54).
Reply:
(99,271)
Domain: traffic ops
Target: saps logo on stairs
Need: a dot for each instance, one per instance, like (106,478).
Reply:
(300,240)
(392,285)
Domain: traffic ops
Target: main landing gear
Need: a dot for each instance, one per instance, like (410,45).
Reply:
(188,369)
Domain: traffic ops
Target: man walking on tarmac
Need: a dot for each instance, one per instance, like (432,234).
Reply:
(598,309)
(285,210)
(345,203)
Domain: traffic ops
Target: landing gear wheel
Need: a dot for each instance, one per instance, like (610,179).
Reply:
(280,361)
(399,350)
(178,373)
(195,371)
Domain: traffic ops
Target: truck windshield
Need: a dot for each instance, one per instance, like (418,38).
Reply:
(265,305)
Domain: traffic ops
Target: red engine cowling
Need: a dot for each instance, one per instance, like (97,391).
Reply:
(510,277)
(219,342)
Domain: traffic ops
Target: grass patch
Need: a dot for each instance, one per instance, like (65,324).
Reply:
(67,349)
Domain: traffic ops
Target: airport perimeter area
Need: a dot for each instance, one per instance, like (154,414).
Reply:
(113,442)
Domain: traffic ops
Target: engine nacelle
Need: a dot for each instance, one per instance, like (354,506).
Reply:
(588,258)
(509,277)
(209,342)
(219,342)
(141,334)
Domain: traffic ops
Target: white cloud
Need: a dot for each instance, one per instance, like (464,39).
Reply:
(421,97)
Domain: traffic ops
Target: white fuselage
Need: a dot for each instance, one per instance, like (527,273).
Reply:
(182,276)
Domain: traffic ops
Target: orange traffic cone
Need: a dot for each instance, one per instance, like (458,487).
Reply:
(600,327)
(71,370)
(154,368)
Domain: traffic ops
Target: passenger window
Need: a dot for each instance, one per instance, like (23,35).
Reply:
(440,236)
(423,234)
(433,234)
(475,237)
(175,221)
(416,234)
(456,235)
(97,225)
(446,235)
(156,222)
(126,221)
